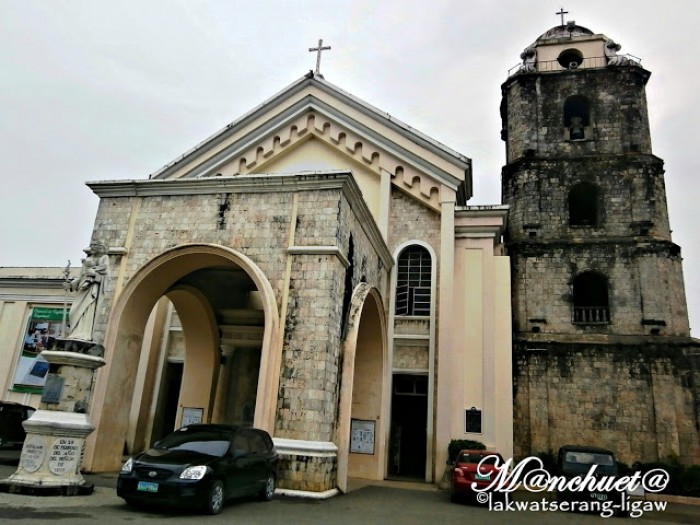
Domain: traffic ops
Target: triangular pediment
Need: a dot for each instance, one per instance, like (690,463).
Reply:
(312,126)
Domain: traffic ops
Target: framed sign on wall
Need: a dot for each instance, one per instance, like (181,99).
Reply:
(362,436)
(191,416)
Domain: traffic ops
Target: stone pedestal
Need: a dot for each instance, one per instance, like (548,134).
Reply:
(53,449)
(307,469)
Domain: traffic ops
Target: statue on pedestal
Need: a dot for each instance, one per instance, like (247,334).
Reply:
(56,432)
(87,287)
(611,50)
(529,57)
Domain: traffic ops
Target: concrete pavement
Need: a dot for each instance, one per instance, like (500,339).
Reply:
(366,502)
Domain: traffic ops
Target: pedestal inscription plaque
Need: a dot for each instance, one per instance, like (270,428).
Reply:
(33,453)
(64,456)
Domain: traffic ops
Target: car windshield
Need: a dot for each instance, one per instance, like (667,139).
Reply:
(476,458)
(205,442)
(579,462)
(588,458)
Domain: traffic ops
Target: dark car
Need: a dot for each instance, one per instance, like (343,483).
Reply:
(474,467)
(575,461)
(12,415)
(202,466)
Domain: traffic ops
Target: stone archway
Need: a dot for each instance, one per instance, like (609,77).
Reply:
(364,387)
(201,364)
(124,335)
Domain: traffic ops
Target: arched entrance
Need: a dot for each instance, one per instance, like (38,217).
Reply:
(363,393)
(198,279)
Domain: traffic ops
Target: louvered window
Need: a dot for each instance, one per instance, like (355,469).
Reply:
(413,282)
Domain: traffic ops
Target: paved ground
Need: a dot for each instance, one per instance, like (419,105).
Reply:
(365,503)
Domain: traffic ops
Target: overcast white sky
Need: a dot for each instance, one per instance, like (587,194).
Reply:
(95,90)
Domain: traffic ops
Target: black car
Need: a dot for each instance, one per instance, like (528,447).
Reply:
(12,415)
(202,466)
(575,461)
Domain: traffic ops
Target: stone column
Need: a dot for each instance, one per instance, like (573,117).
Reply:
(52,453)
(220,411)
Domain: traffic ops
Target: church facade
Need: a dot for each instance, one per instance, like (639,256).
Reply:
(314,269)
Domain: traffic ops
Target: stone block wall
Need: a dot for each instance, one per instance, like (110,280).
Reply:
(533,117)
(413,356)
(319,287)
(258,224)
(255,224)
(638,401)
(632,200)
(409,219)
(307,473)
(644,283)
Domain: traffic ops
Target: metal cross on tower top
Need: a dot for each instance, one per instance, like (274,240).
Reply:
(562,13)
(318,50)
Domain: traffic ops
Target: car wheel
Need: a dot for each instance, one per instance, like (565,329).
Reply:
(215,502)
(268,491)
(456,498)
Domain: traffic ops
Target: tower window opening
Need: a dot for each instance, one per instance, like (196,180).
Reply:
(583,205)
(413,282)
(591,299)
(577,116)
(570,58)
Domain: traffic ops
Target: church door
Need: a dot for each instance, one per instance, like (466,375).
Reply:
(409,416)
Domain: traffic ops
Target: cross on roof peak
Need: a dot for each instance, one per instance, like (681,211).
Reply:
(319,49)
(562,13)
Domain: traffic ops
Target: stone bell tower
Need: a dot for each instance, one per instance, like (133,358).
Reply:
(602,347)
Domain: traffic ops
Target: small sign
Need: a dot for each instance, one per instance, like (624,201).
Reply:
(362,436)
(33,453)
(52,389)
(472,421)
(192,416)
(64,456)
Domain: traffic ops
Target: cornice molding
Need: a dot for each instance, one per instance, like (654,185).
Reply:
(299,122)
(481,222)
(260,183)
(36,299)
(29,282)
(311,81)
(319,250)
(340,180)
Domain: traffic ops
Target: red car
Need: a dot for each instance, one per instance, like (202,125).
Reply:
(468,471)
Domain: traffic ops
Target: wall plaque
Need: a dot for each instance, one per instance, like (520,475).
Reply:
(33,453)
(362,436)
(191,416)
(472,421)
(64,456)
(52,389)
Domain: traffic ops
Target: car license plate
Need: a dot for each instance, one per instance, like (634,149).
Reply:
(147,486)
(486,476)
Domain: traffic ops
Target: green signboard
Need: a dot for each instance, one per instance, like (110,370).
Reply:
(42,329)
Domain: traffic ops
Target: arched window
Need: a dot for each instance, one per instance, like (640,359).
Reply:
(570,58)
(577,117)
(591,299)
(583,205)
(413,281)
